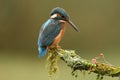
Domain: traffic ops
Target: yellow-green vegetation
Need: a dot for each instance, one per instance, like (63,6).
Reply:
(77,63)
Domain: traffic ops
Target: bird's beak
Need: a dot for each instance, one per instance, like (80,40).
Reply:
(72,24)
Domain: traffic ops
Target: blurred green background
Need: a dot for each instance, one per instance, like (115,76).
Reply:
(20,22)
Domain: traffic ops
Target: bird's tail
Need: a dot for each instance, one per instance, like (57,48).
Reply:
(42,51)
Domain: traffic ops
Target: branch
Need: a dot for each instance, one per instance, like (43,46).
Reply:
(77,63)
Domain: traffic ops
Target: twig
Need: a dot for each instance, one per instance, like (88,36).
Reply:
(77,63)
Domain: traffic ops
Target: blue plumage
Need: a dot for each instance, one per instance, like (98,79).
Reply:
(42,51)
(48,33)
(53,29)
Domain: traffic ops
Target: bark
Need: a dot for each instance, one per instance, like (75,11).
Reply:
(76,62)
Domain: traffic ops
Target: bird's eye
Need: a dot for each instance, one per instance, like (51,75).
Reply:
(63,16)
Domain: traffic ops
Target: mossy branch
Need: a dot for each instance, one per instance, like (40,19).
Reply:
(77,63)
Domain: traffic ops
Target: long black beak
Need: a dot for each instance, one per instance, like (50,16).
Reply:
(72,24)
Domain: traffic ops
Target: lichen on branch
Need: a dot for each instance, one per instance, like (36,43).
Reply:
(77,63)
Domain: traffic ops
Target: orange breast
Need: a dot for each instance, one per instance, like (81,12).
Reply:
(60,35)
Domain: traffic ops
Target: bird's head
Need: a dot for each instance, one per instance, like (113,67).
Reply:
(61,14)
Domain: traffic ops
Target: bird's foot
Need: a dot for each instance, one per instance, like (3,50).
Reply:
(54,47)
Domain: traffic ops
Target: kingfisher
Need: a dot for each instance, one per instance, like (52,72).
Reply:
(53,30)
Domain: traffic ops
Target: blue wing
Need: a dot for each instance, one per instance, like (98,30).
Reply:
(48,33)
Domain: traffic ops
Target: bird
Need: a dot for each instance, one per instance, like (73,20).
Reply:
(53,30)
